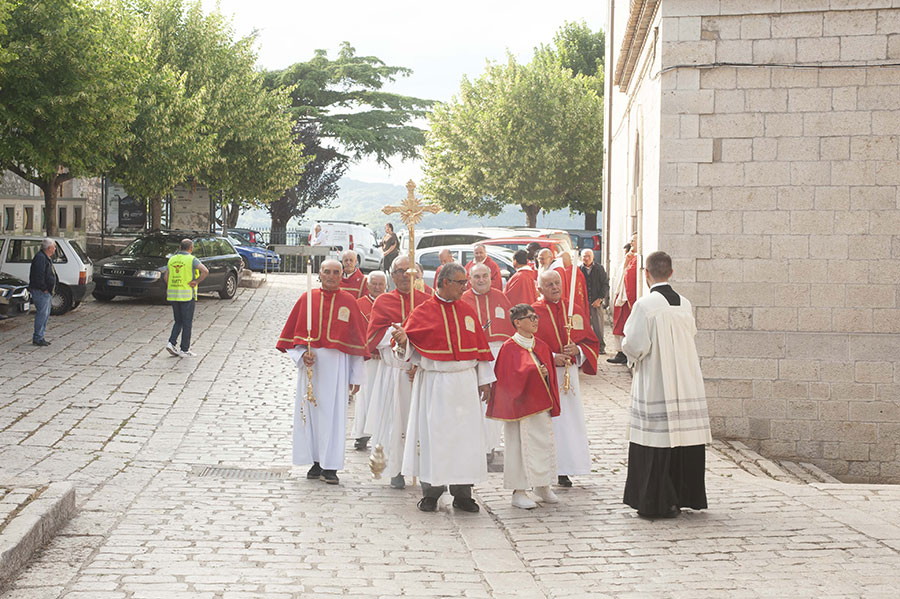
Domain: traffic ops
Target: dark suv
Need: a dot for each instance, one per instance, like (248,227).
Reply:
(134,271)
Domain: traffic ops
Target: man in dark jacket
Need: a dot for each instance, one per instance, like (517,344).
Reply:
(42,283)
(597,290)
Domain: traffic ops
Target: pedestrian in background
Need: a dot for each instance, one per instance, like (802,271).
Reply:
(597,290)
(42,281)
(182,274)
(390,246)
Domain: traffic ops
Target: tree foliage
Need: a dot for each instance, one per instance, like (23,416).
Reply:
(520,134)
(68,95)
(5,54)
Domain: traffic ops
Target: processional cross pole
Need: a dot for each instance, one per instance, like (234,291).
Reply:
(411,211)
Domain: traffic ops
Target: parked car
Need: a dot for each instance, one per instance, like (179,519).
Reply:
(246,236)
(558,234)
(429,260)
(73,267)
(520,243)
(14,296)
(350,235)
(586,239)
(135,271)
(256,256)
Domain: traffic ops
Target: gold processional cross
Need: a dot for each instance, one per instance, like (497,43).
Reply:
(411,211)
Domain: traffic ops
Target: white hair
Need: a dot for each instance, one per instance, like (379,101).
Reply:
(47,243)
(348,253)
(376,274)
(587,251)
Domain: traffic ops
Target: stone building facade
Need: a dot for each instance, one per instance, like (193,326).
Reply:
(759,144)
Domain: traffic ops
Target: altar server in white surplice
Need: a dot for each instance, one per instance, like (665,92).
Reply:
(669,426)
(336,354)
(376,283)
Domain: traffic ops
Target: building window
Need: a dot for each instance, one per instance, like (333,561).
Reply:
(62,218)
(77,218)
(10,214)
(29,218)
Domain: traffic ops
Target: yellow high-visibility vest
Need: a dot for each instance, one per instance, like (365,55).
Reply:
(180,277)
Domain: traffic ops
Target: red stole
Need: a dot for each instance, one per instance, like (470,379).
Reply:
(520,389)
(389,308)
(365,305)
(492,309)
(447,331)
(552,331)
(520,289)
(337,323)
(496,278)
(355,284)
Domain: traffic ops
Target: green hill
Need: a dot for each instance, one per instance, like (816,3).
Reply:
(361,201)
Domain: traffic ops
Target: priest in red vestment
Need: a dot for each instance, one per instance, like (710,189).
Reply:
(445,257)
(332,342)
(525,397)
(443,440)
(624,296)
(492,309)
(376,283)
(481,257)
(578,352)
(352,279)
(522,286)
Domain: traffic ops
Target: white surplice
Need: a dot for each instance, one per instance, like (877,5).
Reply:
(361,401)
(445,438)
(493,429)
(389,411)
(572,453)
(322,437)
(529,456)
(668,397)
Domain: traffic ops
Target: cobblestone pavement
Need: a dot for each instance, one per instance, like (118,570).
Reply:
(106,408)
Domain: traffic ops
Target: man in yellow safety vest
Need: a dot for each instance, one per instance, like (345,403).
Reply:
(182,275)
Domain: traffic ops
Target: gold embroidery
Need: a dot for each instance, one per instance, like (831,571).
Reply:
(577,322)
(344,314)
(470,324)
(499,312)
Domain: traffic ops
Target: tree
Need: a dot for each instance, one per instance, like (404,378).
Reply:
(5,54)
(520,134)
(317,187)
(69,94)
(342,114)
(582,51)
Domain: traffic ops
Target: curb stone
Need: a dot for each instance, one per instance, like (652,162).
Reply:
(31,528)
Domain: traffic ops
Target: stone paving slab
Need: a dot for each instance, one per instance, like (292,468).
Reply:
(108,410)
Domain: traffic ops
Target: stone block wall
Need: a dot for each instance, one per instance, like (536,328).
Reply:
(780,201)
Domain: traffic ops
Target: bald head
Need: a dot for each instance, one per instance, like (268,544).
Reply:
(348,259)
(330,274)
(399,275)
(551,285)
(445,256)
(545,257)
(480,278)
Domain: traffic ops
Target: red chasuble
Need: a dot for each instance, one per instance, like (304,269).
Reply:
(365,305)
(581,303)
(496,278)
(492,309)
(389,308)
(621,313)
(552,331)
(447,331)
(520,389)
(337,323)
(521,289)
(355,284)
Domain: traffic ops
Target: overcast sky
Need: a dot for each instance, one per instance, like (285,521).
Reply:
(439,41)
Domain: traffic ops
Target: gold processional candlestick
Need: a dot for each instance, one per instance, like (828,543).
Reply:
(411,210)
(567,383)
(310,396)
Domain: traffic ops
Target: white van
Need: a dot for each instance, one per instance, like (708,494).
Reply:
(72,265)
(350,235)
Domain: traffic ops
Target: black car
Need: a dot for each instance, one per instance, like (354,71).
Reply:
(14,296)
(135,271)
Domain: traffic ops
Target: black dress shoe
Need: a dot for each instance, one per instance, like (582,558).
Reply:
(466,504)
(315,472)
(41,343)
(428,504)
(619,358)
(673,512)
(361,444)
(330,477)
(563,481)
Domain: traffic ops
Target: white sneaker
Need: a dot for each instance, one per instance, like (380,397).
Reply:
(171,349)
(546,495)
(521,500)
(187,354)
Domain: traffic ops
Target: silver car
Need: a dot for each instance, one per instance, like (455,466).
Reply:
(463,254)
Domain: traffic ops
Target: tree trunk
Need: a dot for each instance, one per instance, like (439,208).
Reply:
(51,192)
(531,214)
(590,220)
(155,213)
(232,213)
(278,234)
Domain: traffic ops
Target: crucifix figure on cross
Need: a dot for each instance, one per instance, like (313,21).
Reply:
(411,211)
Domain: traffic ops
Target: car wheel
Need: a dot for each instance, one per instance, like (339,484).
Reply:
(103,297)
(230,288)
(61,302)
